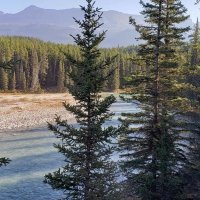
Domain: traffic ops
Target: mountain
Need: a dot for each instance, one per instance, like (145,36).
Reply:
(56,25)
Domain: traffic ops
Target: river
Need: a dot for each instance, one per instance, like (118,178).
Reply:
(33,155)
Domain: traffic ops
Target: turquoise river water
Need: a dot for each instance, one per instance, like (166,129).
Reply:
(33,155)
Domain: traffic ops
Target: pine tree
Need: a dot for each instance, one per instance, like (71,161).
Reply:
(195,42)
(116,78)
(43,70)
(60,77)
(122,72)
(192,173)
(23,81)
(88,173)
(35,85)
(152,144)
(12,81)
(193,61)
(193,77)
(3,79)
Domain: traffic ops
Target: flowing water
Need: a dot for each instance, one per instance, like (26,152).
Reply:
(33,155)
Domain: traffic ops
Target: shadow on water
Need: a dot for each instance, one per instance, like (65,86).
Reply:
(31,189)
(27,147)
(31,164)
(23,178)
(33,155)
(26,139)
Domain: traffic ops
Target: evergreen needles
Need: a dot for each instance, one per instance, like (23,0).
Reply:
(154,153)
(88,173)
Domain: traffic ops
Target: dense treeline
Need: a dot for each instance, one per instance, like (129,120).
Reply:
(42,66)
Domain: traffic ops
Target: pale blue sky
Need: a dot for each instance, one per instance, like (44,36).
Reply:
(127,6)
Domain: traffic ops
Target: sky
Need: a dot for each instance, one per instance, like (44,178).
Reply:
(126,6)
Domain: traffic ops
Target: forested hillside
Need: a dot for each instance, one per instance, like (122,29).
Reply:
(41,66)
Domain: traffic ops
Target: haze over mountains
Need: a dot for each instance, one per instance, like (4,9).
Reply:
(56,25)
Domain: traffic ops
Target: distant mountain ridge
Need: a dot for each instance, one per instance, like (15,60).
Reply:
(56,25)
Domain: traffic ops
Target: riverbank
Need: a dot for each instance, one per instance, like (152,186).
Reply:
(32,152)
(21,111)
(26,111)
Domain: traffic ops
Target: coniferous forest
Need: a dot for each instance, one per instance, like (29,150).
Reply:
(41,66)
(153,153)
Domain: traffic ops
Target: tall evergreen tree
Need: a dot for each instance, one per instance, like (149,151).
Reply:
(194,62)
(88,173)
(43,70)
(192,173)
(193,76)
(23,81)
(3,79)
(195,43)
(152,144)
(12,81)
(35,86)
(60,77)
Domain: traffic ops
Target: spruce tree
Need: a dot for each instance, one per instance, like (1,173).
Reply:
(3,79)
(12,81)
(195,45)
(122,72)
(152,144)
(88,173)
(35,85)
(194,62)
(60,77)
(192,173)
(43,70)
(23,81)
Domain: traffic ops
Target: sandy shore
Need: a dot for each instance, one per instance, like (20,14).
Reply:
(20,111)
